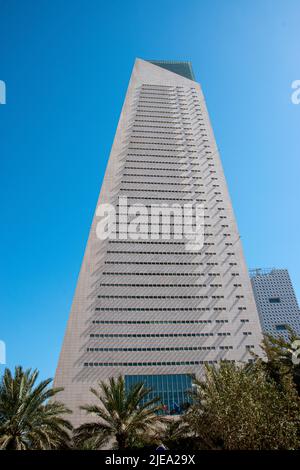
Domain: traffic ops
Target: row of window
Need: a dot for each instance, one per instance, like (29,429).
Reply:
(152,322)
(152,363)
(197,114)
(157,322)
(192,185)
(143,134)
(155,233)
(184,131)
(181,348)
(176,117)
(143,242)
(167,263)
(161,169)
(164,286)
(153,190)
(146,309)
(161,309)
(181,253)
(177,112)
(171,104)
(162,274)
(153,198)
(159,132)
(187,100)
(170,94)
(163,175)
(182,146)
(199,170)
(184,136)
(141,105)
(180,128)
(157,285)
(158,111)
(172,130)
(173,217)
(183,127)
(183,139)
(183,155)
(180,154)
(175,199)
(174,121)
(176,88)
(156,176)
(173,144)
(169,91)
(157,163)
(157,296)
(155,335)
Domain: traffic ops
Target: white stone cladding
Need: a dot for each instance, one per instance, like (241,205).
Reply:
(206,295)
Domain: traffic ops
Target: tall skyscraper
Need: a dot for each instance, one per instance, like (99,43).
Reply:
(151,308)
(276,301)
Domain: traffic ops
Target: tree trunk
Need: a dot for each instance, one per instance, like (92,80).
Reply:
(121,440)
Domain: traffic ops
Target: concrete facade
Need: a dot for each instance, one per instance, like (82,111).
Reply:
(152,307)
(276,301)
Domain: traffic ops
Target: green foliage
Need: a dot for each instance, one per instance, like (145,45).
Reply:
(241,407)
(278,358)
(250,406)
(121,416)
(28,420)
(176,434)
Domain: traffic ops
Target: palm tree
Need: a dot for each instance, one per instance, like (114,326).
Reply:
(124,416)
(28,420)
(175,434)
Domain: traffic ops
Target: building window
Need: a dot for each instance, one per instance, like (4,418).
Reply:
(280,327)
(274,300)
(171,389)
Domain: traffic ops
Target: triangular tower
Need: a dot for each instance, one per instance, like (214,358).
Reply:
(148,308)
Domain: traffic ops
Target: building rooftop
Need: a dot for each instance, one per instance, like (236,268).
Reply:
(180,67)
(263,271)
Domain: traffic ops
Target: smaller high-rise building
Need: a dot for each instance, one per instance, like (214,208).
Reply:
(276,301)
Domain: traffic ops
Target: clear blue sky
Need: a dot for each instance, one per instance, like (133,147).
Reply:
(66,64)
